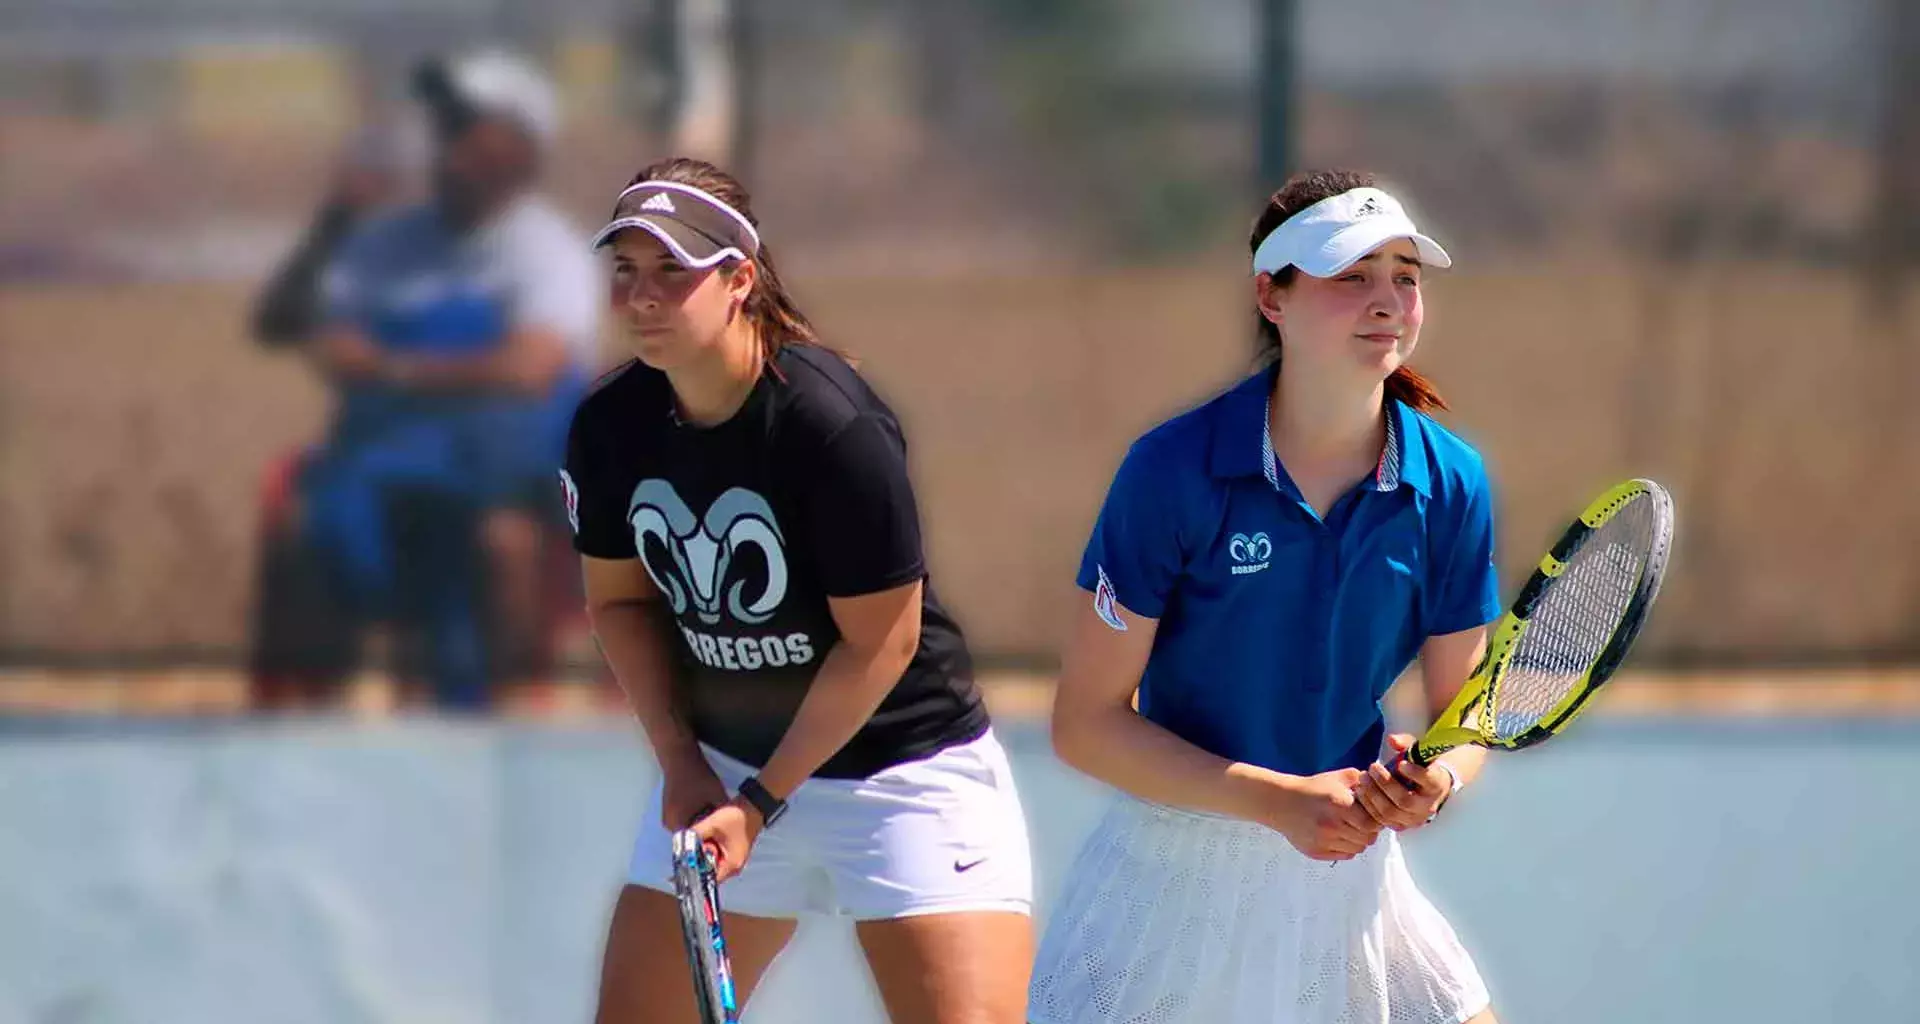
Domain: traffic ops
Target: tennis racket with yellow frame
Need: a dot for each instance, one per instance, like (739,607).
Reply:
(1568,630)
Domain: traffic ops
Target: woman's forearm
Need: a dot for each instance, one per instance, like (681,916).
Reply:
(844,695)
(1119,747)
(636,638)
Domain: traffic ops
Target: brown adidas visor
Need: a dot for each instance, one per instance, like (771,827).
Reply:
(694,225)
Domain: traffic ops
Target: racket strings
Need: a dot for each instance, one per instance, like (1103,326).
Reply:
(1576,619)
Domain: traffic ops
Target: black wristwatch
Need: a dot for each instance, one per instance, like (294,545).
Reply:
(769,806)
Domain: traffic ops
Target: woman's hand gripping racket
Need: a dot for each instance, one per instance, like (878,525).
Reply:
(699,895)
(1567,631)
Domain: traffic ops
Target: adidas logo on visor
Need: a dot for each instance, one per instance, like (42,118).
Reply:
(659,203)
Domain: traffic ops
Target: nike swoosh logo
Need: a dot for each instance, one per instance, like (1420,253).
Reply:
(968,865)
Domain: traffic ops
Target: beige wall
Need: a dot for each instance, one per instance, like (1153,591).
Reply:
(134,423)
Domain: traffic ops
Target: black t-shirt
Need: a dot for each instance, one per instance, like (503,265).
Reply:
(747,527)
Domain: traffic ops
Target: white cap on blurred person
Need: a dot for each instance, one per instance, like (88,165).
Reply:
(1333,234)
(495,83)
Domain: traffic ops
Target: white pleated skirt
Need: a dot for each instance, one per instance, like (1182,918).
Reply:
(1172,916)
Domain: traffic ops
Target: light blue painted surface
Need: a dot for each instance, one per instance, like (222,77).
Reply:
(434,872)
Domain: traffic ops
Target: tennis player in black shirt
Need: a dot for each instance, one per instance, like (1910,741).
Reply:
(755,573)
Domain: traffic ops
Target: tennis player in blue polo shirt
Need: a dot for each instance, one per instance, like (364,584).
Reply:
(1264,568)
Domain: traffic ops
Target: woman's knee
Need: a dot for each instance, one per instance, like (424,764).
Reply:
(959,968)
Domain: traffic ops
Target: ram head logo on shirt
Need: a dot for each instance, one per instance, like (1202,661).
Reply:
(706,574)
(1250,554)
(1244,549)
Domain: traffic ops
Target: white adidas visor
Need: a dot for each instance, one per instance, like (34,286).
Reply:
(696,226)
(1334,234)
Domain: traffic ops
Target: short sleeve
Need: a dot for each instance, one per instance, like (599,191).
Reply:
(1134,555)
(595,509)
(863,523)
(1468,590)
(554,285)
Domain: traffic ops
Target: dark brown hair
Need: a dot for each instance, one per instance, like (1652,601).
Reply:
(771,309)
(1301,191)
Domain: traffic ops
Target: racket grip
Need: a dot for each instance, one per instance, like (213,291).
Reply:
(1400,776)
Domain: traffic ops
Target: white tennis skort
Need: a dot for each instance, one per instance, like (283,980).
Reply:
(941,835)
(1172,916)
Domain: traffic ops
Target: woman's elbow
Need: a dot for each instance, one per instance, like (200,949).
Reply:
(611,614)
(1069,729)
(906,642)
(887,656)
(598,612)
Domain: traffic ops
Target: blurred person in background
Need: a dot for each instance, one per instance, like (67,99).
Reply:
(1264,568)
(379,168)
(752,553)
(304,642)
(458,334)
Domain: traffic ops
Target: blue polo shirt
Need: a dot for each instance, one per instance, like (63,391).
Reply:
(1280,631)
